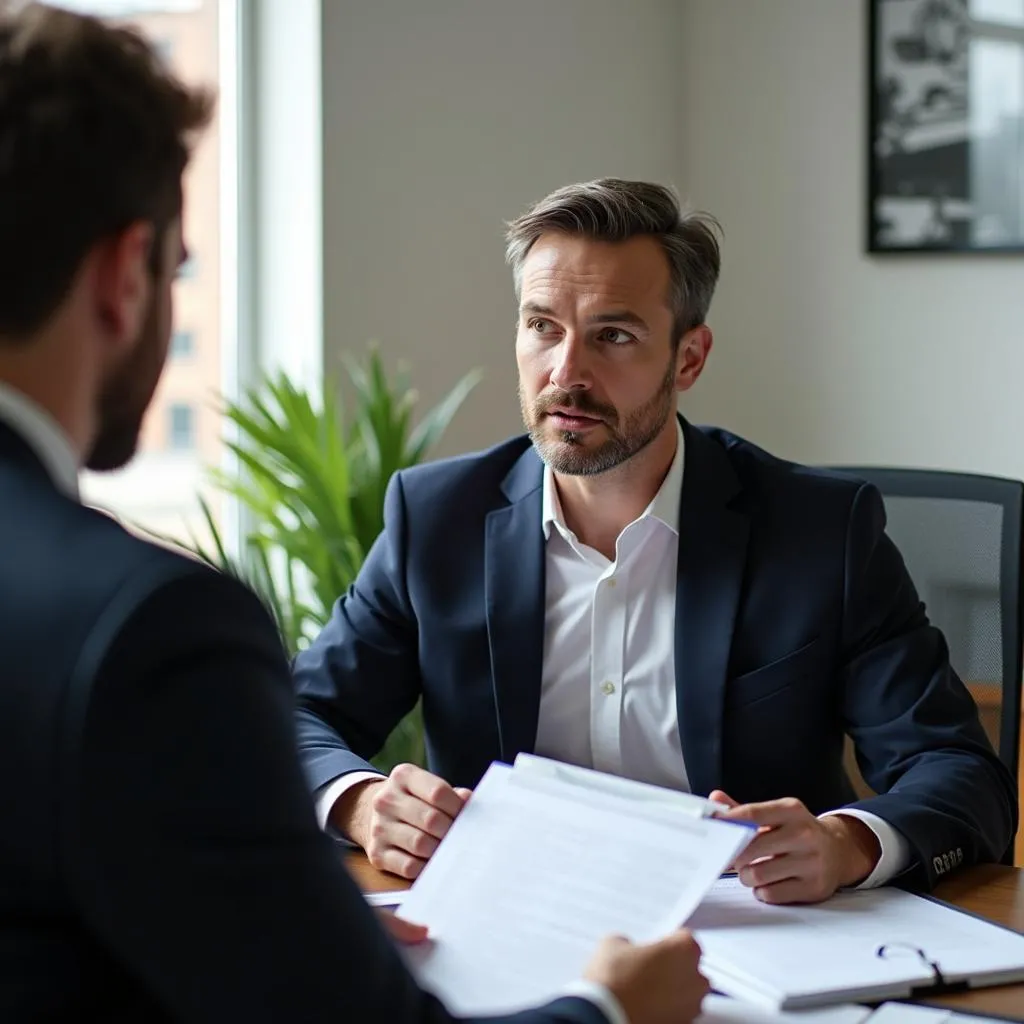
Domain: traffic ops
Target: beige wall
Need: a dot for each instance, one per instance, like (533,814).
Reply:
(823,353)
(443,119)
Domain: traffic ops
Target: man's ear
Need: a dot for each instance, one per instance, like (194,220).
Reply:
(694,348)
(124,281)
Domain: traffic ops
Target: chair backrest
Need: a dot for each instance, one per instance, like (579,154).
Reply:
(961,538)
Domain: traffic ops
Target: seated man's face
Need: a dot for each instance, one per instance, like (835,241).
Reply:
(598,365)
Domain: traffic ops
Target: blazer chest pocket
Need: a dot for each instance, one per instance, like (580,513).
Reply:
(777,676)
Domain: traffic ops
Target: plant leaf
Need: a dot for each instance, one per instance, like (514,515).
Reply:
(436,422)
(313,481)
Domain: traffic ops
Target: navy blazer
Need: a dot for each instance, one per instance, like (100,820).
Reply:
(796,624)
(159,855)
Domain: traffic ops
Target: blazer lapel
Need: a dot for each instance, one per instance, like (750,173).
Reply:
(514,594)
(712,552)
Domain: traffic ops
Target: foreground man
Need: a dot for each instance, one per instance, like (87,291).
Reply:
(160,854)
(624,591)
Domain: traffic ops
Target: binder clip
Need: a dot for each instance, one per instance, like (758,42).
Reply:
(939,984)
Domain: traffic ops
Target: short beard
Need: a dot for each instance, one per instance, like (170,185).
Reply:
(567,454)
(125,398)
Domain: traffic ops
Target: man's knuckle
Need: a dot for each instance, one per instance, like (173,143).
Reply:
(435,793)
(434,822)
(422,845)
(391,860)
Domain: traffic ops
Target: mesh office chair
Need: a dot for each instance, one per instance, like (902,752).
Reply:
(961,538)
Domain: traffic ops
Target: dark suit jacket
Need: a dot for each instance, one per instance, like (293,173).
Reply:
(159,855)
(796,622)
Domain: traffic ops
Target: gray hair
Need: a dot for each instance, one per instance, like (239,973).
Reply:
(613,210)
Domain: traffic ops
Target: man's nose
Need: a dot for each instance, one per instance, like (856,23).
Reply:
(570,371)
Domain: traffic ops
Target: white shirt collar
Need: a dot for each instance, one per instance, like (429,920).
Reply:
(40,431)
(664,507)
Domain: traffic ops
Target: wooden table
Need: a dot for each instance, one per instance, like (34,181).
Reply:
(993,891)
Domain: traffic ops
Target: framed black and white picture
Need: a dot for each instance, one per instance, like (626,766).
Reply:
(946,126)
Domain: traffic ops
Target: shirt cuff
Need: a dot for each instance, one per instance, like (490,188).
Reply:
(601,997)
(327,795)
(896,853)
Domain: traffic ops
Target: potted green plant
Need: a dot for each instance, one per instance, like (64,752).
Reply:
(311,481)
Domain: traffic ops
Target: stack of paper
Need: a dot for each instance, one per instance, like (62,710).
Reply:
(723,1010)
(540,865)
(863,946)
(901,1013)
(547,859)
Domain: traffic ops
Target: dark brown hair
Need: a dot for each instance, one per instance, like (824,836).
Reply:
(614,210)
(95,134)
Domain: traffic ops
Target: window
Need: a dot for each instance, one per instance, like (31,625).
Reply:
(181,427)
(183,344)
(996,121)
(1001,12)
(159,490)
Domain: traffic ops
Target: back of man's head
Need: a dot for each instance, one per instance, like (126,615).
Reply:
(95,134)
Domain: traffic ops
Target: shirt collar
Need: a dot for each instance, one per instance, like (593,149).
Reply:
(664,507)
(40,431)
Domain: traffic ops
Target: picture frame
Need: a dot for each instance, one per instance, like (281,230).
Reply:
(945,126)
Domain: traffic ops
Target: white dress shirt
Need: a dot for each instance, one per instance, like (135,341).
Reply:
(41,432)
(608,688)
(608,691)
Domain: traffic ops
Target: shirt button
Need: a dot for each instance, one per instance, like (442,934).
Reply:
(608,687)
(611,581)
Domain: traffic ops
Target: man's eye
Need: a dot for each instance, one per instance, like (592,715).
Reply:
(615,337)
(539,326)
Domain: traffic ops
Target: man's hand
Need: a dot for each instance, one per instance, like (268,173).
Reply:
(796,857)
(400,820)
(403,932)
(655,984)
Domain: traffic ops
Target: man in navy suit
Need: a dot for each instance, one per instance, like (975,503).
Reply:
(159,855)
(622,590)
